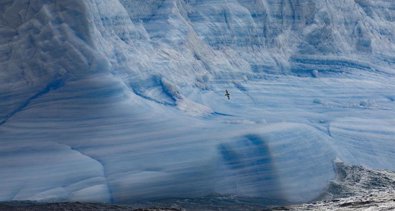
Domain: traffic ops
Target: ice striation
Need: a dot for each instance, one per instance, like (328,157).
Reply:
(354,188)
(123,100)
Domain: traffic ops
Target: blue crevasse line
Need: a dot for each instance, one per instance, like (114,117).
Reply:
(138,93)
(222,114)
(56,84)
(101,163)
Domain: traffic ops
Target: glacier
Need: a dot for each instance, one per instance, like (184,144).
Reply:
(120,101)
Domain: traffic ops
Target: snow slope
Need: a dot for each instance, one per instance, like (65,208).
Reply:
(123,100)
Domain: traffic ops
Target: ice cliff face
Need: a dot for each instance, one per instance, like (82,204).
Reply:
(199,38)
(119,100)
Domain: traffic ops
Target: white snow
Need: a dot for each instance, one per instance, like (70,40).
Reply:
(123,100)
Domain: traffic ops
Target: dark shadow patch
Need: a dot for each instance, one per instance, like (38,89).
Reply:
(250,159)
(230,156)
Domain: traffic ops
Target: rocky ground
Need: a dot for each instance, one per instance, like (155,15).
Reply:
(75,206)
(379,201)
(376,201)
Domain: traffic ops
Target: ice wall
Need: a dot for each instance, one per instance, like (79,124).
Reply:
(122,100)
(191,40)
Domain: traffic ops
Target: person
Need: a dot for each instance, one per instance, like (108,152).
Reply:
(227,94)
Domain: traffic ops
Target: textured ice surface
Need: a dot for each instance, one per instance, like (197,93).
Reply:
(355,188)
(123,100)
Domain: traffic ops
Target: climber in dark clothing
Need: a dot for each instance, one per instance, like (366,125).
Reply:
(227,94)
